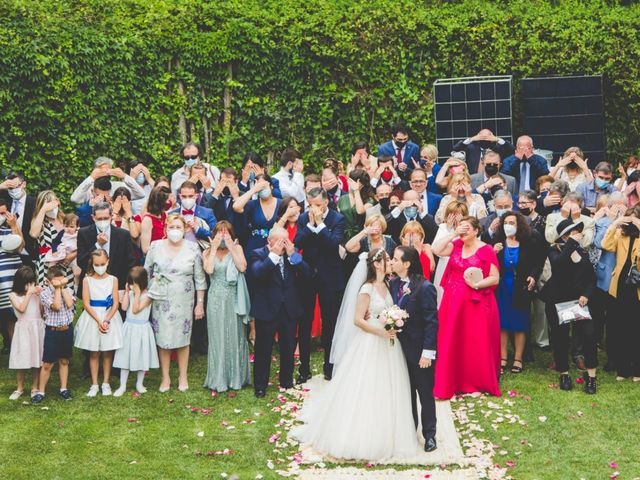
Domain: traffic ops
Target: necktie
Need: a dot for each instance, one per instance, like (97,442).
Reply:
(15,206)
(401,289)
(523,175)
(281,265)
(187,212)
(399,156)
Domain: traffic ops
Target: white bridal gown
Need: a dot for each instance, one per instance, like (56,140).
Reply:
(364,413)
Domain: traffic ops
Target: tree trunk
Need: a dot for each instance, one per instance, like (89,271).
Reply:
(226,124)
(182,122)
(205,125)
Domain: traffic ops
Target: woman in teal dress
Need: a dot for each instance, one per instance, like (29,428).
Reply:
(227,312)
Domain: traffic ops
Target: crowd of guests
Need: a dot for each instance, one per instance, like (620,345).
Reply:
(220,261)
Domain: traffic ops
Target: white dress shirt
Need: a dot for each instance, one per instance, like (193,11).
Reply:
(291,186)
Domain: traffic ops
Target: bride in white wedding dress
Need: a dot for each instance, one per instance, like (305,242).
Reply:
(364,413)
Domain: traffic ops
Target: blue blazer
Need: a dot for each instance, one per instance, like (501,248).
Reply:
(607,262)
(412,151)
(268,290)
(321,250)
(420,332)
(538,168)
(205,214)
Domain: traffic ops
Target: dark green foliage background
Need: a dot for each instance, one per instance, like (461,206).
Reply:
(82,78)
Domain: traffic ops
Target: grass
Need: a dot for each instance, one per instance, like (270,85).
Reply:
(93,438)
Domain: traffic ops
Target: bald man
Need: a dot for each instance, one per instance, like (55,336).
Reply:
(524,165)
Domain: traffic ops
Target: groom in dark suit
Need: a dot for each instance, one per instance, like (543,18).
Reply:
(413,293)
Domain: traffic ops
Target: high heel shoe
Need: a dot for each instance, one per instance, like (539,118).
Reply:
(514,368)
(503,365)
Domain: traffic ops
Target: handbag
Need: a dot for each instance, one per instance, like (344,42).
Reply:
(572,311)
(633,278)
(158,287)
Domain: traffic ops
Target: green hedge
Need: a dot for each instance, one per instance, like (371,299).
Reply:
(82,78)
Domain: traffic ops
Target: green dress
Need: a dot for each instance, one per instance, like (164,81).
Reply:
(228,355)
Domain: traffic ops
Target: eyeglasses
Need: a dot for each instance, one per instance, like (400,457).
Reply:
(417,182)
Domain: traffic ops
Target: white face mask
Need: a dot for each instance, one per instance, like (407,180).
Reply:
(510,230)
(2,219)
(102,225)
(100,270)
(175,235)
(188,203)
(16,193)
(53,213)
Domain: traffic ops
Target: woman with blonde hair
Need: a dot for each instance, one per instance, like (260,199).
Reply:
(372,237)
(459,189)
(572,168)
(450,168)
(47,223)
(412,235)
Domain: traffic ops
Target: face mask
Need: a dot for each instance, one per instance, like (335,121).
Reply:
(411,212)
(100,270)
(602,184)
(226,192)
(2,219)
(188,203)
(175,235)
(198,185)
(386,176)
(252,176)
(140,179)
(264,193)
(510,230)
(189,162)
(456,169)
(53,213)
(501,211)
(384,204)
(15,193)
(525,211)
(400,145)
(10,243)
(572,165)
(102,225)
(491,170)
(332,191)
(167,205)
(223,244)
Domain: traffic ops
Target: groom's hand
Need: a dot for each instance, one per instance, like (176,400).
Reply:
(424,362)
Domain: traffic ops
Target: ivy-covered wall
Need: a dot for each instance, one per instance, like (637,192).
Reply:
(134,78)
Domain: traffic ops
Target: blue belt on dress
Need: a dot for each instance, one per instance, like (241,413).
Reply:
(107,303)
(136,321)
(261,232)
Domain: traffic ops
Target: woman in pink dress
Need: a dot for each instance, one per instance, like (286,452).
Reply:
(469,333)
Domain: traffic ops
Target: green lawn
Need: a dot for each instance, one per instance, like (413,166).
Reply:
(157,435)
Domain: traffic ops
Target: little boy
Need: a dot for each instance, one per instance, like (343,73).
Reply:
(58,303)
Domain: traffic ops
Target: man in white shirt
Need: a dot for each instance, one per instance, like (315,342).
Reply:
(291,181)
(191,155)
(103,167)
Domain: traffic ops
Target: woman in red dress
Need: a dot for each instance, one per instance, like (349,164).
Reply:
(469,325)
(412,235)
(153,221)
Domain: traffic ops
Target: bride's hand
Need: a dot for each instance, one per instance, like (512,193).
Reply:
(391,333)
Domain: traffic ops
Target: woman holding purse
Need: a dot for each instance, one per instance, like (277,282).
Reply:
(572,278)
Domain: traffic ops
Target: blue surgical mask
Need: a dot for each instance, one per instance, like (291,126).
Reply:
(252,176)
(264,193)
(189,162)
(602,184)
(140,179)
(223,244)
(411,212)
(501,211)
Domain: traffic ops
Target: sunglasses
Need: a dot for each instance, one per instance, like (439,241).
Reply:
(192,157)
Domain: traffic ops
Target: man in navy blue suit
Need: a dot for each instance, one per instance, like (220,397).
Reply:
(419,336)
(524,165)
(200,220)
(320,232)
(277,271)
(405,152)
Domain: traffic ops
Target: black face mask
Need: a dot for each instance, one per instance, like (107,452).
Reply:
(400,145)
(572,165)
(525,211)
(630,230)
(198,186)
(332,191)
(226,192)
(491,170)
(384,204)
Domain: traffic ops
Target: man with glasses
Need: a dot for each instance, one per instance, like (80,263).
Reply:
(191,155)
(490,179)
(524,165)
(406,154)
(418,183)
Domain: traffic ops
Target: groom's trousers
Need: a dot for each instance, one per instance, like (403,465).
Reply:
(421,380)
(285,326)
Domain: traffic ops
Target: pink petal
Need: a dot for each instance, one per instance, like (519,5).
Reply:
(579,380)
(132,420)
(509,463)
(613,465)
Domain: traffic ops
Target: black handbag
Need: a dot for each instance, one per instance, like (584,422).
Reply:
(633,278)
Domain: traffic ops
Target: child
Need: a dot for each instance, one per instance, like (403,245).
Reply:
(139,352)
(57,301)
(28,337)
(65,244)
(99,326)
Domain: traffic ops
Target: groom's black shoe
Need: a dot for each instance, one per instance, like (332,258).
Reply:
(303,378)
(260,393)
(430,444)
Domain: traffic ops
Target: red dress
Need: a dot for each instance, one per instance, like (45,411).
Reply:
(157,226)
(468,355)
(425,261)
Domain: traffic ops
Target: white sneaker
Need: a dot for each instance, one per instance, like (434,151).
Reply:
(106,389)
(141,389)
(93,391)
(15,395)
(119,392)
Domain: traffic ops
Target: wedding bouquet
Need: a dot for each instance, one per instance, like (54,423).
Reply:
(394,318)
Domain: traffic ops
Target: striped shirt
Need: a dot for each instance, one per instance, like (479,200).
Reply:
(9,263)
(62,317)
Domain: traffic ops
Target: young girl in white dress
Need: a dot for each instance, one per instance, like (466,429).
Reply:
(139,352)
(99,328)
(28,337)
(364,413)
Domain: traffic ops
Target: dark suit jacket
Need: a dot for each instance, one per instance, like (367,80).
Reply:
(321,250)
(269,290)
(474,150)
(395,225)
(538,168)
(420,332)
(30,244)
(411,151)
(121,256)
